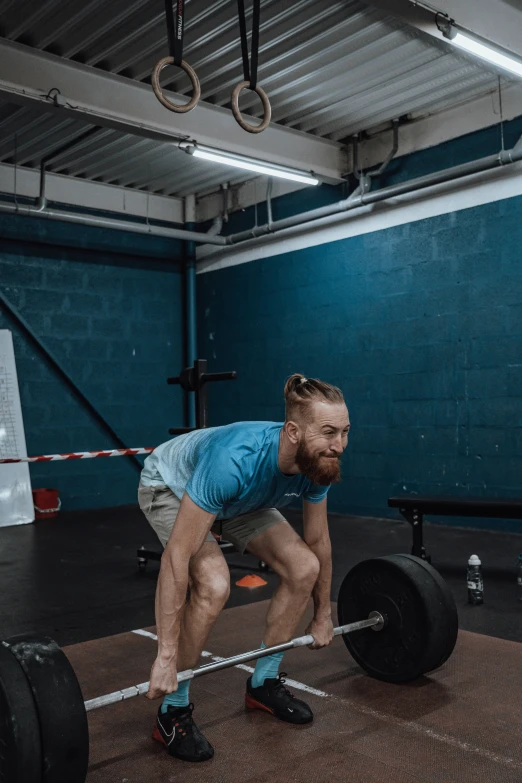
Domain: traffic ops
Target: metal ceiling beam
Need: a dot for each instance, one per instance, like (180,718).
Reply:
(101,98)
(90,195)
(490,19)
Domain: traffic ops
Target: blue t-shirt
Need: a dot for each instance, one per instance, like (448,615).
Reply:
(229,470)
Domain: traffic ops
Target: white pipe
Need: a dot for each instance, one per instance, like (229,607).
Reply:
(312,218)
(119,225)
(215,228)
(357,205)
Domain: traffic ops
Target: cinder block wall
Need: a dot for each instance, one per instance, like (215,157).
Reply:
(420,325)
(109,306)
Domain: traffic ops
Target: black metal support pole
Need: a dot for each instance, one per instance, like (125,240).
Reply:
(415,518)
(191,318)
(200,368)
(195,379)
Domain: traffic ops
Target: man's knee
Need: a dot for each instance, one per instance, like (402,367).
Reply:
(302,569)
(210,587)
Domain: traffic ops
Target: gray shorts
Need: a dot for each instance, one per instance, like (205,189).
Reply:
(160,505)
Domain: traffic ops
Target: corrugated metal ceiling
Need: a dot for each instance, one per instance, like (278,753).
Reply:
(109,156)
(330,68)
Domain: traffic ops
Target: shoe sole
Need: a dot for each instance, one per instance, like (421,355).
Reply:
(252,704)
(156,735)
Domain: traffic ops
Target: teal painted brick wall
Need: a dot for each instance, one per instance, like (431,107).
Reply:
(109,305)
(420,325)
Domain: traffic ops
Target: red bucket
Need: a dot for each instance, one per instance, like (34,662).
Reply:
(46,503)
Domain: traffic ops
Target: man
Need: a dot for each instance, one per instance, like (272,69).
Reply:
(229,481)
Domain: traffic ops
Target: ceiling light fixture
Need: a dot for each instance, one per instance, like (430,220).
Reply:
(248,164)
(477,46)
(486,52)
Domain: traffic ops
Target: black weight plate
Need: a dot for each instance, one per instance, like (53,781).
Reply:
(61,710)
(20,749)
(440,611)
(452,617)
(415,633)
(395,653)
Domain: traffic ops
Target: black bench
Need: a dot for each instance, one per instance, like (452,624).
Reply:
(413,508)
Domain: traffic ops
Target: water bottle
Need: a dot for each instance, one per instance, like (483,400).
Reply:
(475,582)
(519,577)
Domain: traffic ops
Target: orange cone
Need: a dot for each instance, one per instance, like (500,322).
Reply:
(252,580)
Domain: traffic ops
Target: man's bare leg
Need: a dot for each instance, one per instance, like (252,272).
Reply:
(209,590)
(297,567)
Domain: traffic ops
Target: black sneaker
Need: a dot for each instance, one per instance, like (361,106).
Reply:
(182,738)
(273,697)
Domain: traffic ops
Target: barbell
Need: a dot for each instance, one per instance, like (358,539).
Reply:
(398,620)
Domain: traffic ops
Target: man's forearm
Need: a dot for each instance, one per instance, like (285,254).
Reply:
(171,594)
(321,593)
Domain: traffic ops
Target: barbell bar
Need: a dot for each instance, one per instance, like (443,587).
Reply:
(375,621)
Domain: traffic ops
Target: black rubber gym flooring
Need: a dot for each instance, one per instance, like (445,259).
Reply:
(75,577)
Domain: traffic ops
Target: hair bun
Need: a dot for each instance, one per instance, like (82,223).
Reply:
(302,392)
(295,380)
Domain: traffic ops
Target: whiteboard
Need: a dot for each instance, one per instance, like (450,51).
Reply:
(16,500)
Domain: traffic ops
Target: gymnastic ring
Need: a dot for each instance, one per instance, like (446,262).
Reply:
(267,109)
(191,73)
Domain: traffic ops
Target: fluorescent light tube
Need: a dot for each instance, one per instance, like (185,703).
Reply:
(494,56)
(250,164)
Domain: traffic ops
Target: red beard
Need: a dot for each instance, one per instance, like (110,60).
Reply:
(320,470)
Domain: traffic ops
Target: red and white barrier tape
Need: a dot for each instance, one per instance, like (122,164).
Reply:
(81,455)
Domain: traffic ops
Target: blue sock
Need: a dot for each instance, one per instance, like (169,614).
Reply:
(266,667)
(179,698)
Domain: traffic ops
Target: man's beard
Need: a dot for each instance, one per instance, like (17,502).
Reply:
(319,469)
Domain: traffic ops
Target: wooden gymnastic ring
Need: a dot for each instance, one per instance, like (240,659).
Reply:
(191,73)
(267,109)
